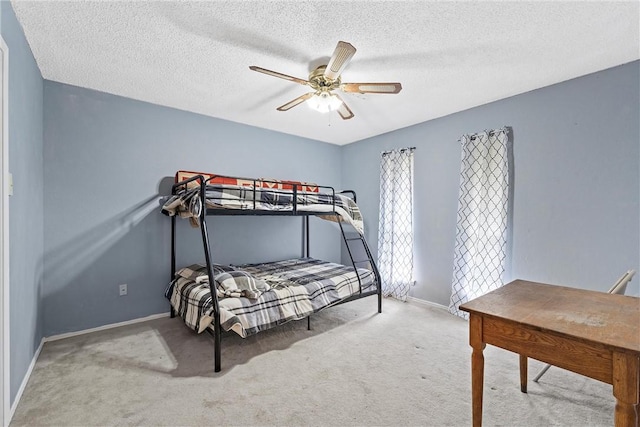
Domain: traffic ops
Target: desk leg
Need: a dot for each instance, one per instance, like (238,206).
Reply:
(523,373)
(626,382)
(477,368)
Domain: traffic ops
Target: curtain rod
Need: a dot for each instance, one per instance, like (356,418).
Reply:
(401,150)
(504,129)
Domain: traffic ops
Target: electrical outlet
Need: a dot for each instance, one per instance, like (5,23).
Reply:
(123,289)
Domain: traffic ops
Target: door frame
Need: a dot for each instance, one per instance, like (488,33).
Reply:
(5,389)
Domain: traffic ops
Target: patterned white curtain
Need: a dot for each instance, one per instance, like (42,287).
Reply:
(395,233)
(481,233)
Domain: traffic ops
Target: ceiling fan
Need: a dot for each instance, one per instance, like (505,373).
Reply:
(325,79)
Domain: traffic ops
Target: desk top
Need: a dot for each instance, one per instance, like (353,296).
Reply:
(589,316)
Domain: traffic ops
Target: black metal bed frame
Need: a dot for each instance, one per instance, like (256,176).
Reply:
(205,211)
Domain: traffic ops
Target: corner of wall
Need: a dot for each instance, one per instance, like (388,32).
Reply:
(26,219)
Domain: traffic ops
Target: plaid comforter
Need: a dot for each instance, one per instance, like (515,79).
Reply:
(297,288)
(238,197)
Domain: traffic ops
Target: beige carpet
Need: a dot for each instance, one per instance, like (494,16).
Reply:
(409,365)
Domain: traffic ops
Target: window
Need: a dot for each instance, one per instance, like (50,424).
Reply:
(395,233)
(481,232)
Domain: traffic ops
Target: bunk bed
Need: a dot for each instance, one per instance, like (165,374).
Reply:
(250,298)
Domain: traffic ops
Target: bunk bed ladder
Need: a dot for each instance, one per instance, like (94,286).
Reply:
(369,260)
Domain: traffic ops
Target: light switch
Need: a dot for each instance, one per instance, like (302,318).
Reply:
(11,184)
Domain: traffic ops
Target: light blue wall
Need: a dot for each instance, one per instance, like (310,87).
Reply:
(26,204)
(104,161)
(576,188)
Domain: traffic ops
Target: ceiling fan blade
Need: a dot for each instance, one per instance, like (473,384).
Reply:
(279,75)
(344,111)
(339,60)
(371,87)
(299,100)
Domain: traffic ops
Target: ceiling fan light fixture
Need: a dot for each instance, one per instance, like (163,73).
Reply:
(325,79)
(324,102)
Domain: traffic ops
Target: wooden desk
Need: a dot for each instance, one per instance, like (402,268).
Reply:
(592,333)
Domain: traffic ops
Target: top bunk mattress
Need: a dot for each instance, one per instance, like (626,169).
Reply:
(243,194)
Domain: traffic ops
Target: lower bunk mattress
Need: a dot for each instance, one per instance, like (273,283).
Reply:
(256,297)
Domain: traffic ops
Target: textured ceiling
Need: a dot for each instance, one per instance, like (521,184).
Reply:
(449,56)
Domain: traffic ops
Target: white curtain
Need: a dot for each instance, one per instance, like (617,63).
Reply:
(481,233)
(395,233)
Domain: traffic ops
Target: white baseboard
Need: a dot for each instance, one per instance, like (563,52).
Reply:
(25,380)
(428,303)
(105,327)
